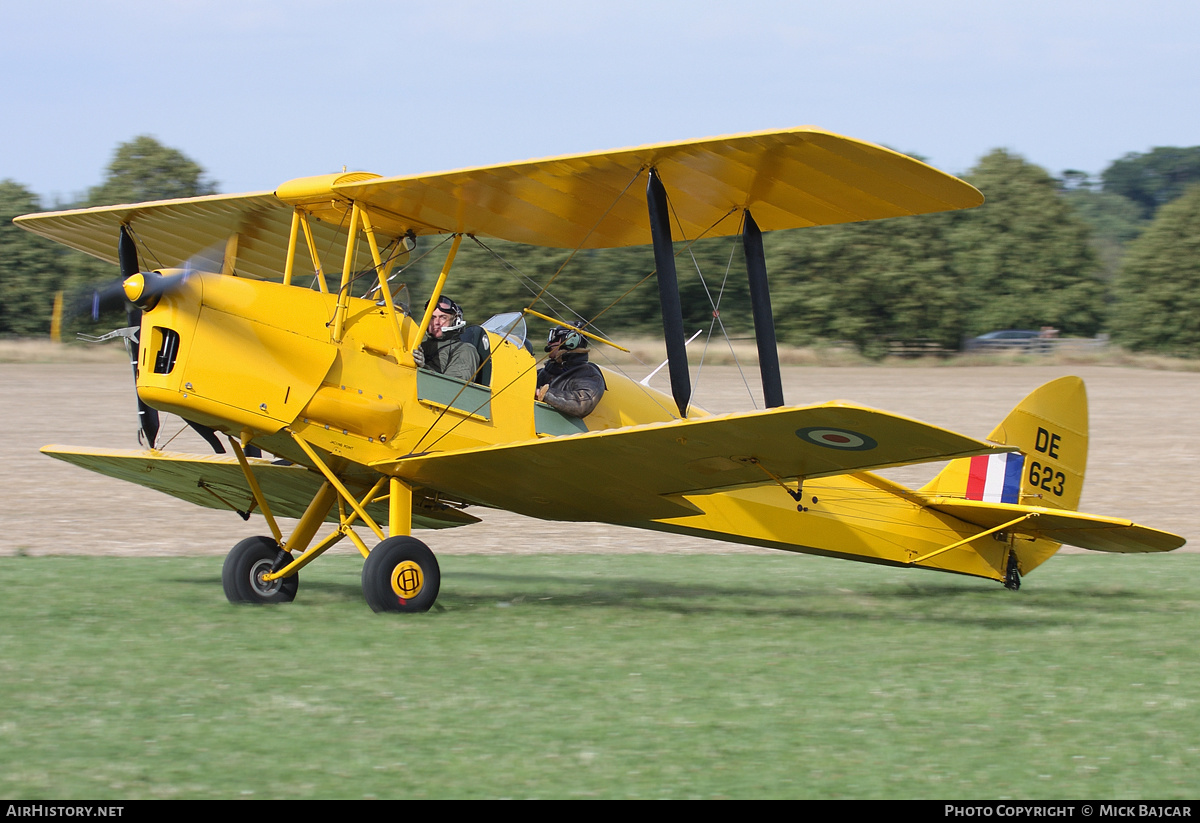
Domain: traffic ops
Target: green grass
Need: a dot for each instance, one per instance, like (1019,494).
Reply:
(603,676)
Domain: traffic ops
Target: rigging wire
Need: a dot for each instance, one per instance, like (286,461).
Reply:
(729,341)
(589,233)
(531,285)
(319,271)
(717,321)
(686,248)
(542,290)
(148,251)
(163,446)
(714,305)
(542,293)
(378,285)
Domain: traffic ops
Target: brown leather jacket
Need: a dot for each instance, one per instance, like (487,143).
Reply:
(575,387)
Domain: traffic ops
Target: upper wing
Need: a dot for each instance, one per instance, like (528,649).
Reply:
(789,179)
(171,232)
(636,473)
(1087,531)
(217,482)
(174,231)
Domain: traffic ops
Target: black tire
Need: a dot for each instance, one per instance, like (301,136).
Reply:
(244,566)
(1012,575)
(401,575)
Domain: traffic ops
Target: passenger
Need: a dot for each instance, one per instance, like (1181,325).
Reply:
(568,382)
(443,350)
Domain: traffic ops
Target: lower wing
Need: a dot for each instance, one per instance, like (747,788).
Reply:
(217,482)
(637,473)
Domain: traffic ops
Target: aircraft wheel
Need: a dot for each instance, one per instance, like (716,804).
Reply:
(1012,575)
(244,567)
(401,575)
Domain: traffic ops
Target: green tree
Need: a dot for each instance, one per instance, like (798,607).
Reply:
(1109,215)
(1154,179)
(1158,287)
(29,266)
(144,169)
(141,169)
(1076,180)
(32,269)
(865,283)
(1023,257)
(1114,221)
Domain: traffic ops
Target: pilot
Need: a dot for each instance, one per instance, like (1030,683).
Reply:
(443,350)
(568,382)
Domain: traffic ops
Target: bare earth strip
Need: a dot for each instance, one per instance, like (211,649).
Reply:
(1142,465)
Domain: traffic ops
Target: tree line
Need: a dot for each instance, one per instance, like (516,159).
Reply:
(1084,255)
(33,269)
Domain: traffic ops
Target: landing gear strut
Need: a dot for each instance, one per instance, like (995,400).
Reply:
(1012,575)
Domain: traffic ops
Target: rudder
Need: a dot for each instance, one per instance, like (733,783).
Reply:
(1050,427)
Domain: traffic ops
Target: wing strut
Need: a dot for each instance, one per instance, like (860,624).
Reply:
(764,320)
(668,293)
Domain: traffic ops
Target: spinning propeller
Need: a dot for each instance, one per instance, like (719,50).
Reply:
(137,292)
(127,255)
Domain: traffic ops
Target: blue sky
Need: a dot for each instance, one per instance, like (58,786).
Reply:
(261,92)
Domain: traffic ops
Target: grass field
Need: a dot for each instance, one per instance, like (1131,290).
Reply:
(640,676)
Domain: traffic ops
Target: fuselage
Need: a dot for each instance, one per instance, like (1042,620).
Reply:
(251,358)
(258,361)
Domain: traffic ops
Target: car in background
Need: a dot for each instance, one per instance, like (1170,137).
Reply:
(1023,339)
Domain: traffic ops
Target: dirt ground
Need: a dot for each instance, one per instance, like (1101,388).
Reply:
(1142,465)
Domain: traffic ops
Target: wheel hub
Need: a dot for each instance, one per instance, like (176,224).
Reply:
(407,580)
(257,574)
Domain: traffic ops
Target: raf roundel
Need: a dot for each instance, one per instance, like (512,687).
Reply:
(837,439)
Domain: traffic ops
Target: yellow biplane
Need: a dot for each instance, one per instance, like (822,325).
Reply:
(266,348)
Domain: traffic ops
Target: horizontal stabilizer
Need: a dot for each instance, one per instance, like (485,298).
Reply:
(217,482)
(1087,531)
(637,473)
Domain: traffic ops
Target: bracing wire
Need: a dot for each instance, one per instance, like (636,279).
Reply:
(541,293)
(714,305)
(588,234)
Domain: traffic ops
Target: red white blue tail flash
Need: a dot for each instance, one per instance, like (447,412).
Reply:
(996,478)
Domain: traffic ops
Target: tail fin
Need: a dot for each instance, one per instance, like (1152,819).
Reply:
(1050,427)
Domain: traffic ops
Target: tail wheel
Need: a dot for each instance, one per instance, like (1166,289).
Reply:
(245,566)
(1012,575)
(401,575)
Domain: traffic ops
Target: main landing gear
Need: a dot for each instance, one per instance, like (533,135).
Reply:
(247,564)
(400,574)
